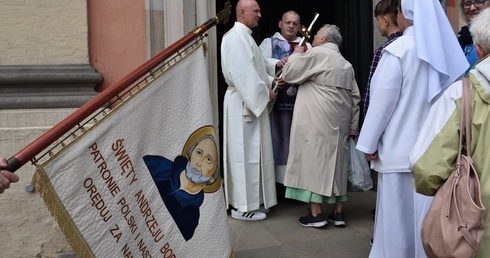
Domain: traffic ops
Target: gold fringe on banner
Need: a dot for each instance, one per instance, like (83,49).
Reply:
(53,203)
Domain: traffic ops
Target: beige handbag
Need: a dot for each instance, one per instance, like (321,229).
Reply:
(454,225)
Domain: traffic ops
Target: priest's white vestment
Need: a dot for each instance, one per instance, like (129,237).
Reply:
(247,149)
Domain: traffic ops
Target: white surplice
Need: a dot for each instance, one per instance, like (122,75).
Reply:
(247,148)
(399,106)
(396,113)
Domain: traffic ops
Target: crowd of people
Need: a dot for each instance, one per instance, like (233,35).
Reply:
(297,135)
(411,74)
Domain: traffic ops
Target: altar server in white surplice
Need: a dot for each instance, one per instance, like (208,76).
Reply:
(247,153)
(412,72)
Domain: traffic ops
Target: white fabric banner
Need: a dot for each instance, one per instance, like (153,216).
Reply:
(144,182)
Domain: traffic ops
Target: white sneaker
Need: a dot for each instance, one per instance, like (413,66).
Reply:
(251,215)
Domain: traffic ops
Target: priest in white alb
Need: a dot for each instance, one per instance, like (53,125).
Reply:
(247,148)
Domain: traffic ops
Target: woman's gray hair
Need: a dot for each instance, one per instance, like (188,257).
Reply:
(332,34)
(480,29)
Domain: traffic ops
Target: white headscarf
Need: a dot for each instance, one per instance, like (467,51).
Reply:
(435,43)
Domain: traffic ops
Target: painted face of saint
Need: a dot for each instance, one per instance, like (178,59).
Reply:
(203,162)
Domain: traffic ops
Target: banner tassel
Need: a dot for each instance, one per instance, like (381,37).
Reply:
(53,203)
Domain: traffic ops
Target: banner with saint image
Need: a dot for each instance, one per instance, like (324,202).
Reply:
(144,180)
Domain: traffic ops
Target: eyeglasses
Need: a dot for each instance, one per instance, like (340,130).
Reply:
(476,3)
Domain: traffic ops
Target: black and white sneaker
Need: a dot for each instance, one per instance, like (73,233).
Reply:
(338,219)
(251,215)
(310,221)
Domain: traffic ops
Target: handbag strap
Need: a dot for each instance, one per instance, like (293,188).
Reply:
(465,128)
(466,117)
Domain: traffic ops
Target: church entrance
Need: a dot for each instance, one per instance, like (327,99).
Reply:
(353,17)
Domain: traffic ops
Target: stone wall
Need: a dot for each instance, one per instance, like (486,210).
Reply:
(43,32)
(50,35)
(28,229)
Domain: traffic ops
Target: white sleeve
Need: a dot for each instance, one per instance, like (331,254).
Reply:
(266,50)
(385,91)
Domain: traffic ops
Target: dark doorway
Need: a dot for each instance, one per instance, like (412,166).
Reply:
(353,17)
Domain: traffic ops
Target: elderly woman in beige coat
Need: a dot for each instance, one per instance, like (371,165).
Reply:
(325,114)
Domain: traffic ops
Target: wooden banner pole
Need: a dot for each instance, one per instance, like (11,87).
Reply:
(57,131)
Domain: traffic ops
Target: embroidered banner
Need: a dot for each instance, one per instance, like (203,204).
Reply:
(144,181)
